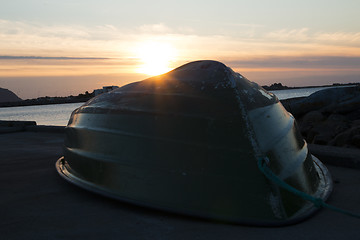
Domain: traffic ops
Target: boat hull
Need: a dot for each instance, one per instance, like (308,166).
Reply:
(176,143)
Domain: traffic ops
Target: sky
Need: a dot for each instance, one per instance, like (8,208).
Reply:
(61,48)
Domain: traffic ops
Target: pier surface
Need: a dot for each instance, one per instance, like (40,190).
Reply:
(36,203)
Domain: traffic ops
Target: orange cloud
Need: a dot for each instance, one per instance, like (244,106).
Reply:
(293,56)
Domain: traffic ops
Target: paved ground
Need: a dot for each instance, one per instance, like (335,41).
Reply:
(36,203)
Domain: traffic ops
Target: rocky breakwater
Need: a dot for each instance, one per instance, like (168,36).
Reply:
(15,126)
(329,117)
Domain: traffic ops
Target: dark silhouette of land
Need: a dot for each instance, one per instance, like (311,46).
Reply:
(8,96)
(279,86)
(83,97)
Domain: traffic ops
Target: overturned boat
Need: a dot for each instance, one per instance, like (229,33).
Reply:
(188,141)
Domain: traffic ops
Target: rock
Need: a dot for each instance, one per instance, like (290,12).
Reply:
(323,133)
(22,124)
(329,117)
(337,123)
(348,138)
(338,156)
(322,139)
(335,117)
(15,126)
(309,120)
(354,115)
(290,102)
(313,117)
(355,123)
(318,129)
(8,96)
(348,106)
(355,140)
(340,140)
(342,99)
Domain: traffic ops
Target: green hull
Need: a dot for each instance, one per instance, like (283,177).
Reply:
(188,142)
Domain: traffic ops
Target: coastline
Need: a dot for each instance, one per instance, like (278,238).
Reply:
(85,97)
(44,101)
(279,86)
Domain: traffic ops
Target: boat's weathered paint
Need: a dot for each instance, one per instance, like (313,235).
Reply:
(188,142)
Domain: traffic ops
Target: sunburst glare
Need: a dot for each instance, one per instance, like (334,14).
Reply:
(155,57)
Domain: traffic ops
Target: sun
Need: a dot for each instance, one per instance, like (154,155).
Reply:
(155,57)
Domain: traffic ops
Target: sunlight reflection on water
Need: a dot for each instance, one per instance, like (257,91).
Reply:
(293,93)
(54,114)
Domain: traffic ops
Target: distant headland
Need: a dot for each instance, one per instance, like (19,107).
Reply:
(8,96)
(279,86)
(82,97)
(14,101)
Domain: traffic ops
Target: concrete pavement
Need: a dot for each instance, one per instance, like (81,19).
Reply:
(36,203)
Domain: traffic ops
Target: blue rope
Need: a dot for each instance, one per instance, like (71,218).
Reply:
(318,202)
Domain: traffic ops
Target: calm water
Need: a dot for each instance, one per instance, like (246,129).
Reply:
(53,114)
(59,114)
(292,93)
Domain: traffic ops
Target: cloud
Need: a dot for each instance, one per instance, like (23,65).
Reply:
(301,34)
(305,35)
(349,38)
(48,58)
(159,28)
(37,66)
(286,48)
(106,54)
(301,62)
(27,38)
(108,41)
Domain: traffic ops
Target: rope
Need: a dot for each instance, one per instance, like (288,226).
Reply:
(318,202)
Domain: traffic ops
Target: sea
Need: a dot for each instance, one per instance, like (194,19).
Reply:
(59,114)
